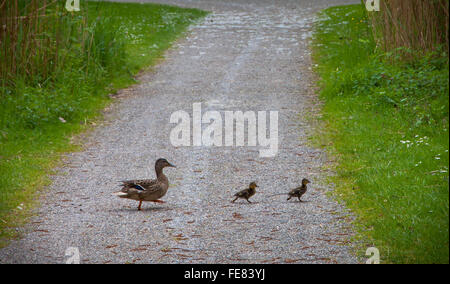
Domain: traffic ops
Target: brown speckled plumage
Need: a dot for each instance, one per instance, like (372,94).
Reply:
(246,193)
(299,191)
(147,189)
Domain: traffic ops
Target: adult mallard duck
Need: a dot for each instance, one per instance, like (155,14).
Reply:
(147,189)
(246,193)
(299,191)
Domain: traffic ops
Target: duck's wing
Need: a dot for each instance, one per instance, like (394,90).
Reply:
(156,187)
(139,184)
(145,187)
(135,189)
(242,193)
(295,191)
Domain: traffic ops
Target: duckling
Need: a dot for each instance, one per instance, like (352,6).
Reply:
(147,189)
(299,191)
(246,193)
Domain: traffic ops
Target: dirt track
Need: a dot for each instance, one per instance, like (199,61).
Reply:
(247,56)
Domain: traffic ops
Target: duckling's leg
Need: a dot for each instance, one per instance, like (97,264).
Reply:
(289,198)
(299,199)
(248,200)
(234,200)
(140,203)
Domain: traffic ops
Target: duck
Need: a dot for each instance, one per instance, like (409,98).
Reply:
(299,191)
(147,189)
(246,193)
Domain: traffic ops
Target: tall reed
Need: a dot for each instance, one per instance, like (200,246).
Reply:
(413,25)
(52,60)
(32,35)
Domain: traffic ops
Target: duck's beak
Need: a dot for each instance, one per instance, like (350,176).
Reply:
(171,165)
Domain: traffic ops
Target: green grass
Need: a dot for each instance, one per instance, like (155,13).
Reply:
(126,38)
(149,30)
(386,122)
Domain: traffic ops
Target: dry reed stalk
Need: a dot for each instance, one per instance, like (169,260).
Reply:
(418,25)
(30,39)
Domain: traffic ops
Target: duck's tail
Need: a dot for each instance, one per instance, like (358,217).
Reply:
(120,194)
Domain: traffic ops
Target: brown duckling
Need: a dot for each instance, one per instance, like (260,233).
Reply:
(299,191)
(147,189)
(246,193)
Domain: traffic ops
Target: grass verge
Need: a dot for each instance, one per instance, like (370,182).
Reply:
(386,122)
(38,117)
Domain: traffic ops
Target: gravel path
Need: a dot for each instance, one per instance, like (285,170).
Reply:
(247,55)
